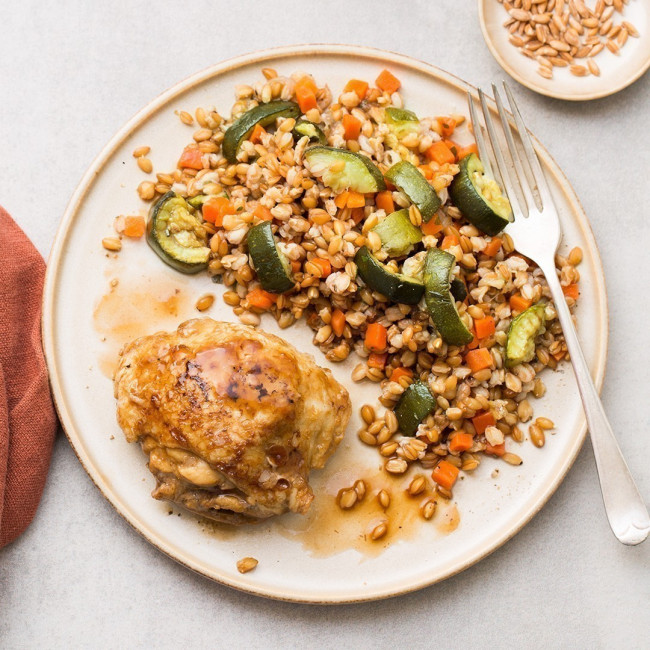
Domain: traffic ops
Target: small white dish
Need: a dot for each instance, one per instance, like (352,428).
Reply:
(616,71)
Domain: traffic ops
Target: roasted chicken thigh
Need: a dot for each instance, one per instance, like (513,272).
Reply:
(232,418)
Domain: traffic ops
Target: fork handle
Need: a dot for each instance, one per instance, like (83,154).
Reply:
(626,511)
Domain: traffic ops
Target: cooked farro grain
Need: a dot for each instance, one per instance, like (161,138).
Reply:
(186,118)
(205,302)
(112,244)
(379,531)
(384,499)
(428,509)
(145,164)
(141,151)
(246,564)
(537,435)
(347,498)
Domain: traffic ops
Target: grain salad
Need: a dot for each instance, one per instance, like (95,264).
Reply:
(350,211)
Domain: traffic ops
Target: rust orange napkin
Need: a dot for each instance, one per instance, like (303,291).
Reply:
(27,419)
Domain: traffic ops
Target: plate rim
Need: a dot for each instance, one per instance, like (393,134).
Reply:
(530,82)
(50,291)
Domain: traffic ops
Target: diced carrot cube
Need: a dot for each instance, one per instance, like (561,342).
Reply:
(191,158)
(493,247)
(571,291)
(495,450)
(134,226)
(338,322)
(445,474)
(357,214)
(384,201)
(376,337)
(484,327)
(519,303)
(355,200)
(215,208)
(482,421)
(357,86)
(479,359)
(401,371)
(376,360)
(351,127)
(261,299)
(256,135)
(263,213)
(460,441)
(431,227)
(449,241)
(388,82)
(439,152)
(446,126)
(341,200)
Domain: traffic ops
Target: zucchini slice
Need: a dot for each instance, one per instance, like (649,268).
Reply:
(397,233)
(479,197)
(413,267)
(198,200)
(176,233)
(352,171)
(396,286)
(271,265)
(407,177)
(414,405)
(438,267)
(520,345)
(309,129)
(401,122)
(242,127)
(458,290)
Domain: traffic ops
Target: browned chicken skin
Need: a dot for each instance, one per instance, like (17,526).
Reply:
(232,418)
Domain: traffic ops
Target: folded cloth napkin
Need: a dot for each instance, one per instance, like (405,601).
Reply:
(28,422)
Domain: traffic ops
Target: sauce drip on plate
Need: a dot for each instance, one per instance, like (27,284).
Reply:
(327,530)
(126,312)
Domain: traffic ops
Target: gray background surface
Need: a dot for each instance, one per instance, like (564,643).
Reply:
(71,73)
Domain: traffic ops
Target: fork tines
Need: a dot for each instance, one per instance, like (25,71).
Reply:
(511,171)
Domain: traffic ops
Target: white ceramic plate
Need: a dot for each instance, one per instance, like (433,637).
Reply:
(85,320)
(616,72)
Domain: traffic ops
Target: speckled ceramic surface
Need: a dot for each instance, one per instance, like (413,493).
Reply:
(86,319)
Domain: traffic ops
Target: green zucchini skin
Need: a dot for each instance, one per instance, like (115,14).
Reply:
(156,236)
(396,115)
(401,122)
(242,127)
(523,330)
(438,266)
(395,286)
(458,290)
(468,199)
(414,405)
(397,233)
(408,179)
(272,270)
(360,174)
(312,131)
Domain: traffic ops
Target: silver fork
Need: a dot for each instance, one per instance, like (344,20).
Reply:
(536,234)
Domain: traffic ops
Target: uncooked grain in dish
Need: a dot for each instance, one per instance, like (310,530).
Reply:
(556,33)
